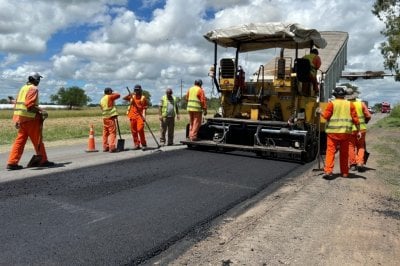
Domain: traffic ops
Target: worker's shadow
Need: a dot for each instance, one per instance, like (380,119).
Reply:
(360,174)
(56,165)
(352,175)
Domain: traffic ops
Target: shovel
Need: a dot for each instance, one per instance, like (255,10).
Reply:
(366,154)
(121,141)
(37,158)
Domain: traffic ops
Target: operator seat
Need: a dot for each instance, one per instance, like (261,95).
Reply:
(302,67)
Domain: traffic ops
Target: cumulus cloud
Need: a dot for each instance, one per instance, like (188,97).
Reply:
(106,43)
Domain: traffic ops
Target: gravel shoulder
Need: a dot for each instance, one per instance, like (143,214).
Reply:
(307,220)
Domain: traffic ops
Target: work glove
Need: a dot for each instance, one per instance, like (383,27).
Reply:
(205,112)
(43,114)
(359,135)
(11,99)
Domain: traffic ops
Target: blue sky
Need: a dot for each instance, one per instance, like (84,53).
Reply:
(95,44)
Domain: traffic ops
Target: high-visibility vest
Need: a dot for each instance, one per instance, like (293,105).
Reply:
(360,113)
(310,58)
(194,103)
(340,121)
(20,107)
(108,111)
(165,102)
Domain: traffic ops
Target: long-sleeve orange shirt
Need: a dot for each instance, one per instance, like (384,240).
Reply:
(138,106)
(327,114)
(367,114)
(112,97)
(317,62)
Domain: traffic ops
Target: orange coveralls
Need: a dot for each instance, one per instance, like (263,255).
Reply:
(357,146)
(136,115)
(28,127)
(338,139)
(109,126)
(195,117)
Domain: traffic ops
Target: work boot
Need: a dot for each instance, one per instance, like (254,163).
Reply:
(105,150)
(353,167)
(136,148)
(46,164)
(14,167)
(328,176)
(360,168)
(144,147)
(113,150)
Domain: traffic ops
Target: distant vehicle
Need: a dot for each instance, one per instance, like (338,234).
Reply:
(371,110)
(385,107)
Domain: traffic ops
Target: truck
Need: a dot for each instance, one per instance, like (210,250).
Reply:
(385,108)
(272,112)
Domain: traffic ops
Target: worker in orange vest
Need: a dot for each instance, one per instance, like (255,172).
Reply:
(357,145)
(109,114)
(137,115)
(196,107)
(28,118)
(340,115)
(315,64)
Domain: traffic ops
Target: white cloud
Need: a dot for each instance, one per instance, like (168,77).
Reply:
(121,49)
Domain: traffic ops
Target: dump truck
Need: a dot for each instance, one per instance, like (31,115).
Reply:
(272,111)
(385,108)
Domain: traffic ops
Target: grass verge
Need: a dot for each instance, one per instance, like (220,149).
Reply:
(387,148)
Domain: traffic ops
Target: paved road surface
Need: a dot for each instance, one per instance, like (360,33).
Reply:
(101,208)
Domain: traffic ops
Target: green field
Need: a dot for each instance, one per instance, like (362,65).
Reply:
(75,124)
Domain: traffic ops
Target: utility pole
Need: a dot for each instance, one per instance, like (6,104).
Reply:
(181,102)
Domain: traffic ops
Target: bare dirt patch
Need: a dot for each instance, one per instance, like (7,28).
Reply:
(307,221)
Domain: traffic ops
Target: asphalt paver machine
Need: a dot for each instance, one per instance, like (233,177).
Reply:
(272,112)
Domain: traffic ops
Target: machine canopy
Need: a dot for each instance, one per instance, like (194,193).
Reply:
(257,36)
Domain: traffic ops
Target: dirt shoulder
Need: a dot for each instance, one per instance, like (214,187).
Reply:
(308,220)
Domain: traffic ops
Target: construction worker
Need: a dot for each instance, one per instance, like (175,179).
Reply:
(137,115)
(109,114)
(357,145)
(340,115)
(196,107)
(315,64)
(28,118)
(167,112)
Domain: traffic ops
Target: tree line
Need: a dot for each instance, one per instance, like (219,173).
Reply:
(76,97)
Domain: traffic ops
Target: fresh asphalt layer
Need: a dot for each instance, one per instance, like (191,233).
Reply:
(122,208)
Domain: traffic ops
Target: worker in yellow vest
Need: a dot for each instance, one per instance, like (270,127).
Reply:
(167,112)
(340,115)
(357,145)
(28,118)
(109,114)
(315,64)
(196,107)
